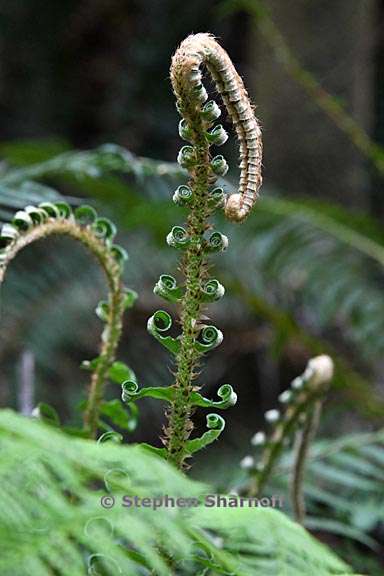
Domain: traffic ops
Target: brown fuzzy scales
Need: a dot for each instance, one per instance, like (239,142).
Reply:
(202,49)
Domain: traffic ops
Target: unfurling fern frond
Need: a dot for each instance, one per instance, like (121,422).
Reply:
(202,50)
(300,419)
(194,241)
(96,234)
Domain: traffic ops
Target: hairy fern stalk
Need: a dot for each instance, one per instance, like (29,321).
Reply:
(196,127)
(96,234)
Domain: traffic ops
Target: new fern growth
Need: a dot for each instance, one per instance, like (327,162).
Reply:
(303,404)
(96,234)
(197,128)
(197,240)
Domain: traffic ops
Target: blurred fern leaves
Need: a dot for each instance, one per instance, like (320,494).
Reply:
(52,520)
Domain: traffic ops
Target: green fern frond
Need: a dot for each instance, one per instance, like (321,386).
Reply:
(268,543)
(51,517)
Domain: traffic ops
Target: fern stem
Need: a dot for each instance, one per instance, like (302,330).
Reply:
(87,237)
(194,268)
(303,441)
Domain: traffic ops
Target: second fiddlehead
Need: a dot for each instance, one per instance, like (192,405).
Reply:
(303,403)
(96,234)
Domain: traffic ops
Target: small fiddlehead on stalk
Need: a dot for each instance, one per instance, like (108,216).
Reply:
(96,234)
(196,241)
(300,419)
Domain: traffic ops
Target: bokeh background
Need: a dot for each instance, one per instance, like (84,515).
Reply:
(304,274)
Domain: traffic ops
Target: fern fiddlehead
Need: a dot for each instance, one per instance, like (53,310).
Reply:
(303,402)
(197,241)
(186,77)
(96,234)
